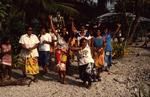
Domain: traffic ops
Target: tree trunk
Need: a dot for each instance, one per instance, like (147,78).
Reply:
(133,28)
(134,25)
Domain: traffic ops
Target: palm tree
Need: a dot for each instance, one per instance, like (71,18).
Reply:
(34,8)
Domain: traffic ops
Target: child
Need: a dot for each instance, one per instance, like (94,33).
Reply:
(6,58)
(86,62)
(99,53)
(61,58)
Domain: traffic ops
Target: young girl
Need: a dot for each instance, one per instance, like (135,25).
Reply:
(61,58)
(99,53)
(6,58)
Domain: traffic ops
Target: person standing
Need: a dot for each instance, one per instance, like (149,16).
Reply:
(61,51)
(6,58)
(108,48)
(83,33)
(99,53)
(29,43)
(44,49)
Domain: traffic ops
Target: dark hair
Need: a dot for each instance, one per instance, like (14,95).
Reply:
(82,27)
(27,27)
(81,41)
(43,27)
(4,40)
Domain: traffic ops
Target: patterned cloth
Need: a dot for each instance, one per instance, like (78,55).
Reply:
(6,57)
(61,66)
(31,66)
(99,58)
(61,60)
(64,58)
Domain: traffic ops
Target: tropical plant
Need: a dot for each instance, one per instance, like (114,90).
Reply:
(34,8)
(118,50)
(3,12)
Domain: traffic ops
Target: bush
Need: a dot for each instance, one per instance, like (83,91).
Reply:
(119,50)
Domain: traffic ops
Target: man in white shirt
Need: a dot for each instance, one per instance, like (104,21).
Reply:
(44,49)
(29,43)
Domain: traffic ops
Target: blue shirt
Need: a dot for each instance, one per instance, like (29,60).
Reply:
(108,43)
(98,42)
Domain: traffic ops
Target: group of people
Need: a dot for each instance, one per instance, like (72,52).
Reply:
(92,47)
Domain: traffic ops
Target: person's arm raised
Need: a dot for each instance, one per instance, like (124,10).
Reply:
(52,25)
(73,26)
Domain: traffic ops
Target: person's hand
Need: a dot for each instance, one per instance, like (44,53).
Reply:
(50,17)
(119,25)
(80,48)
(29,49)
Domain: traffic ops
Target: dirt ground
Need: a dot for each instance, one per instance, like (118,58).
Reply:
(129,77)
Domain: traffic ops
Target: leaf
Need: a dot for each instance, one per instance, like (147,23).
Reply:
(60,7)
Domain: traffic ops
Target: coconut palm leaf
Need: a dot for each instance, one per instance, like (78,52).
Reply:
(3,12)
(46,5)
(63,7)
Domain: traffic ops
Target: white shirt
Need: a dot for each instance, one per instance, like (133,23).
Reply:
(45,46)
(29,42)
(85,56)
(83,36)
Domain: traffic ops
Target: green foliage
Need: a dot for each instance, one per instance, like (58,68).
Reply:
(3,11)
(17,61)
(65,8)
(118,50)
(34,8)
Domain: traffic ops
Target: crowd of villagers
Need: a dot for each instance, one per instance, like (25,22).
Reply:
(91,46)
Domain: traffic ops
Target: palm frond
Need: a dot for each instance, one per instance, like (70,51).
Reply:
(68,4)
(54,7)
